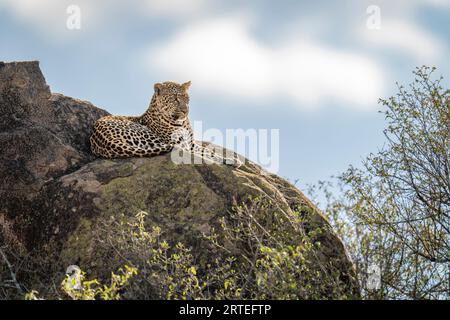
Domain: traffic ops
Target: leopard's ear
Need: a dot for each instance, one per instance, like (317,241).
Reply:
(157,88)
(186,86)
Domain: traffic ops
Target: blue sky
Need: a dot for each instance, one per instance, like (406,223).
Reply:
(312,69)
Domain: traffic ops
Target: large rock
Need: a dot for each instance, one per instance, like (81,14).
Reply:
(53,191)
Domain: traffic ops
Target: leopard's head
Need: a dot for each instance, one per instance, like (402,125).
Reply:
(171,101)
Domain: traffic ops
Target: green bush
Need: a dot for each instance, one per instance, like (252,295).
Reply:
(253,255)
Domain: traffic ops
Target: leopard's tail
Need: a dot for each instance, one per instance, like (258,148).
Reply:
(214,154)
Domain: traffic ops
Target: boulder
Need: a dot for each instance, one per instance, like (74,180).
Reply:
(54,192)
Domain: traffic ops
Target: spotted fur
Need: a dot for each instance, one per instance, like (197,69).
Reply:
(163,126)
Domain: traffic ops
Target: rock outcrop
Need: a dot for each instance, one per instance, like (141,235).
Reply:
(53,191)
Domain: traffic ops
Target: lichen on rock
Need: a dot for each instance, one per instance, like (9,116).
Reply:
(55,192)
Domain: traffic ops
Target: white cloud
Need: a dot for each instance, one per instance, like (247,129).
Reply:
(436,3)
(176,8)
(221,57)
(217,55)
(36,12)
(50,16)
(407,38)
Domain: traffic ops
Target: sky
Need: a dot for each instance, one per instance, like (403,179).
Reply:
(314,70)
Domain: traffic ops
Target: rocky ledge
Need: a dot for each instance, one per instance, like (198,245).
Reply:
(54,192)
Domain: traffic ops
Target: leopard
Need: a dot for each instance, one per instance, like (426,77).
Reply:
(165,125)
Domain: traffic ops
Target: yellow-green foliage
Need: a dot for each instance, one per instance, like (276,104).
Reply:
(32,295)
(256,256)
(258,251)
(93,289)
(173,269)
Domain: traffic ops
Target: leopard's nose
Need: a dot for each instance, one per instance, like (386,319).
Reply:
(184,108)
